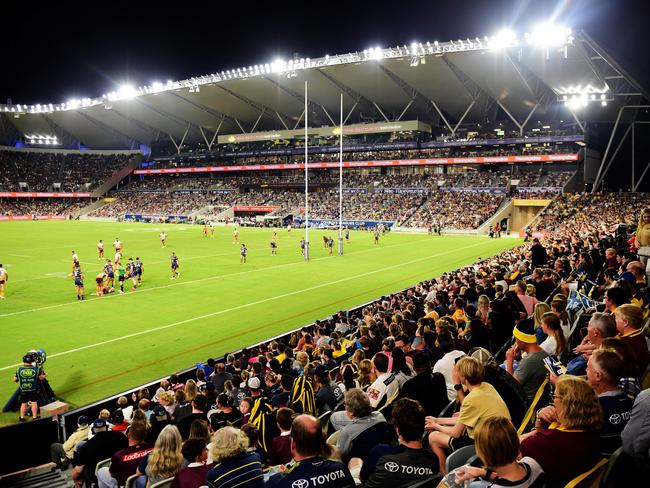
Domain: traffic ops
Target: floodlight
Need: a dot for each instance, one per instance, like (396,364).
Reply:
(157,85)
(548,35)
(126,92)
(603,103)
(505,38)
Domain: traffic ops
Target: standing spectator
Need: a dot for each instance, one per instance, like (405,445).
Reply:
(538,255)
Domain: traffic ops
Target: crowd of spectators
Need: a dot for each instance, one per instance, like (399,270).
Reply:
(50,206)
(40,171)
(415,375)
(456,209)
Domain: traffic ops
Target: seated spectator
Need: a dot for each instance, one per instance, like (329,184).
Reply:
(555,342)
(349,378)
(224,405)
(103,445)
(280,450)
(307,446)
(364,429)
(199,409)
(124,463)
(446,363)
(605,369)
(601,326)
(400,368)
(385,386)
(118,422)
(328,394)
(531,371)
(391,466)
(480,402)
(636,434)
(426,388)
(629,324)
(193,475)
(62,454)
(159,419)
(220,376)
(234,465)
(164,461)
(497,445)
(281,398)
(569,446)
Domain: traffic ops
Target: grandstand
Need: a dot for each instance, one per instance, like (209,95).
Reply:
(453,144)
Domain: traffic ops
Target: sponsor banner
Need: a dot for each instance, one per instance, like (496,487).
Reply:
(510,140)
(155,216)
(422,191)
(32,217)
(539,189)
(530,202)
(473,190)
(364,164)
(204,190)
(346,223)
(42,194)
(255,208)
(355,190)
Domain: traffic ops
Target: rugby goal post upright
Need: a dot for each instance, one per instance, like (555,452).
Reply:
(306,252)
(341,182)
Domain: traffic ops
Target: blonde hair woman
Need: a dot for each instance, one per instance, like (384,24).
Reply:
(573,433)
(483,308)
(166,458)
(643,238)
(190,390)
(234,464)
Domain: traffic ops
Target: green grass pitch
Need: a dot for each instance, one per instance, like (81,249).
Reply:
(105,345)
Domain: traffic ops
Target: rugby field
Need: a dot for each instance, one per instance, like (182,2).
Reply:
(105,345)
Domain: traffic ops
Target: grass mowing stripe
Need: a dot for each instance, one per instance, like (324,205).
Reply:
(239,307)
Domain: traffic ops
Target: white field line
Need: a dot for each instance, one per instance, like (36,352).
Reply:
(20,255)
(231,309)
(180,283)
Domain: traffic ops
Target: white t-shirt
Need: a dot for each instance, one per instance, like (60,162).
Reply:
(385,385)
(549,345)
(444,366)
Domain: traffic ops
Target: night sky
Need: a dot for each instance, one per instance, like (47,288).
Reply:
(67,50)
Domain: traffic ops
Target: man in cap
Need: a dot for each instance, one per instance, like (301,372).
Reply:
(531,371)
(103,445)
(62,454)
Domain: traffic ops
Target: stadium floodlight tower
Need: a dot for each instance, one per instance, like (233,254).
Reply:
(306,253)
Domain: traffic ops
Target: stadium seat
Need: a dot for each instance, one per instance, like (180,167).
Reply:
(163,484)
(430,482)
(101,464)
(530,413)
(459,457)
(591,478)
(130,481)
(334,438)
(324,420)
(448,410)
(645,379)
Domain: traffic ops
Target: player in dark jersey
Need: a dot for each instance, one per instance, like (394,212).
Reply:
(78,277)
(243,251)
(121,276)
(302,246)
(376,236)
(330,244)
(138,269)
(110,273)
(325,242)
(174,266)
(347,234)
(28,377)
(274,248)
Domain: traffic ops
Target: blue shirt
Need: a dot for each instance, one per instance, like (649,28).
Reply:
(311,473)
(243,471)
(27,378)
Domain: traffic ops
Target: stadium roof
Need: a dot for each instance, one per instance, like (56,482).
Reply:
(551,75)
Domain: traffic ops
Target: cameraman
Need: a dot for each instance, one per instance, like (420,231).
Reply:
(28,377)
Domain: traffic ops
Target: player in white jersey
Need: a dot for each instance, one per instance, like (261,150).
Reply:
(118,256)
(100,249)
(235,235)
(163,236)
(117,245)
(4,277)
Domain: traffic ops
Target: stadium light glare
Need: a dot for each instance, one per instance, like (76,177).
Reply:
(126,92)
(503,39)
(550,35)
(603,103)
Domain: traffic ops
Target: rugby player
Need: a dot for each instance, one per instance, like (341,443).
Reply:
(4,277)
(302,246)
(376,235)
(121,272)
(163,236)
(99,284)
(110,272)
(211,231)
(347,234)
(235,235)
(330,244)
(205,230)
(79,282)
(100,249)
(138,268)
(243,252)
(274,248)
(174,266)
(131,273)
(117,245)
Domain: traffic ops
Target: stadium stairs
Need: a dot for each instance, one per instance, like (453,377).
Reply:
(41,477)
(89,208)
(504,210)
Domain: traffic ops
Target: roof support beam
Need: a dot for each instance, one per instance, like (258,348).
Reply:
(356,96)
(599,181)
(258,120)
(350,112)
(164,113)
(180,144)
(638,183)
(210,144)
(408,105)
(139,123)
(313,106)
(409,90)
(105,127)
(73,140)
(299,119)
(215,113)
(256,105)
(281,120)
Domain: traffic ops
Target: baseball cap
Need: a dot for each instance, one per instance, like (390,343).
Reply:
(160,413)
(117,417)
(82,421)
(320,371)
(254,383)
(100,425)
(483,355)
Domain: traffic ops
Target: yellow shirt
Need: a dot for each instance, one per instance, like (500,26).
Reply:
(479,404)
(643,235)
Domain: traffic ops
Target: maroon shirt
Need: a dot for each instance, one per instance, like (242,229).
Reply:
(192,477)
(562,454)
(280,451)
(636,340)
(125,462)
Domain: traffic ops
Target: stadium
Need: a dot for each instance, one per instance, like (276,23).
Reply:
(414,250)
